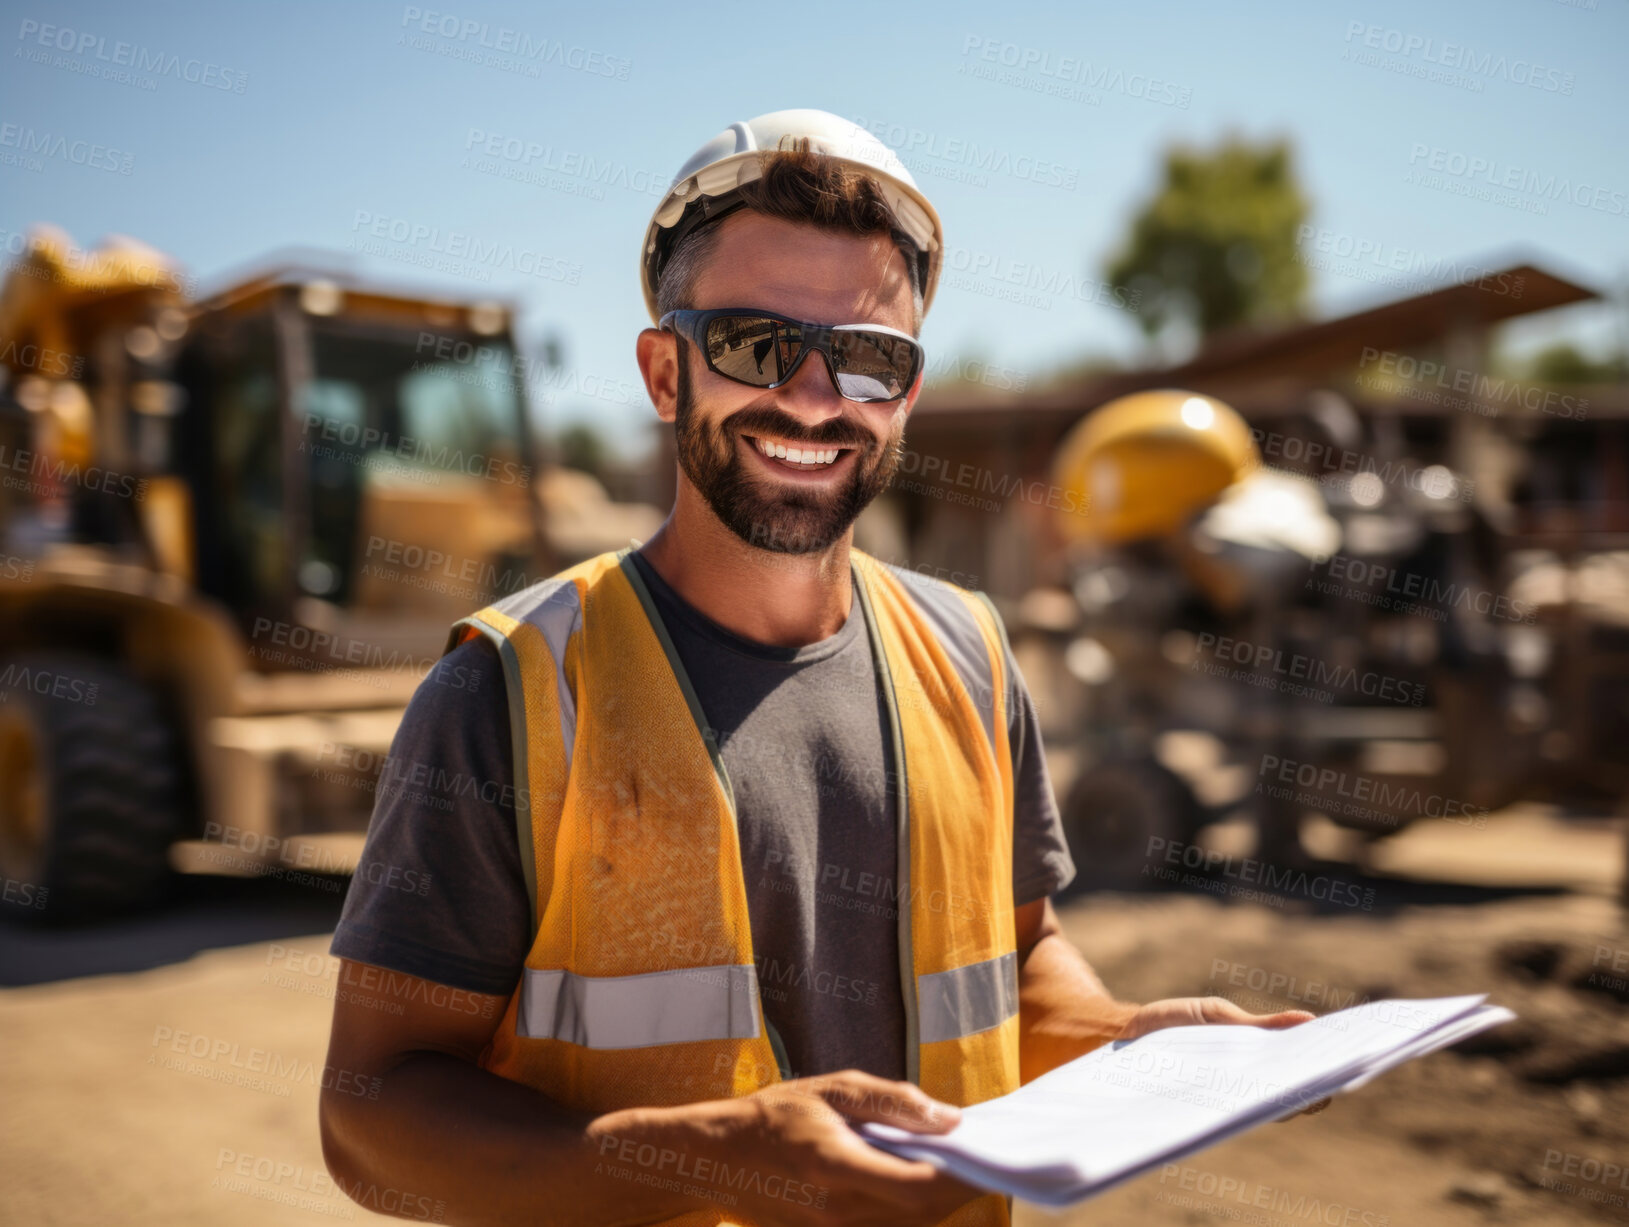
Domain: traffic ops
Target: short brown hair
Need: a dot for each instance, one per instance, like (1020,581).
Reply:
(796,185)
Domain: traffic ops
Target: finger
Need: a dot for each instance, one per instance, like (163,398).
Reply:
(1221,1010)
(1309,1110)
(865,1097)
(907,1182)
(1284,1018)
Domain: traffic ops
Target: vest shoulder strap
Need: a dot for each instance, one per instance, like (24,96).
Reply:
(533,630)
(967,626)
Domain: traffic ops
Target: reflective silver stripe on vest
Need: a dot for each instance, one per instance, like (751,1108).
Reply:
(967,1000)
(554,608)
(659,1007)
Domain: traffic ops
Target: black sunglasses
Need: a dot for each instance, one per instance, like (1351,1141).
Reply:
(866,362)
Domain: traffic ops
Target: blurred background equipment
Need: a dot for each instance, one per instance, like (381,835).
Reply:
(1396,572)
(237,530)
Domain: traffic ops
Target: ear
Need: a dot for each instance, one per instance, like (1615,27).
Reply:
(659,358)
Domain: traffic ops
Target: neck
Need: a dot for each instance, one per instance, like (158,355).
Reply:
(787,600)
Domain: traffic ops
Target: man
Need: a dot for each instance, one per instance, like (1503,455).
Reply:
(774,837)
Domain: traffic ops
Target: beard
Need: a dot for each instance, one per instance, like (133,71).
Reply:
(781,517)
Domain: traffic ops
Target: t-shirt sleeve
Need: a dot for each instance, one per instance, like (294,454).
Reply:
(1041,864)
(439,892)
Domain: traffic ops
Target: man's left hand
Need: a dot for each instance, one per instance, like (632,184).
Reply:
(1194,1011)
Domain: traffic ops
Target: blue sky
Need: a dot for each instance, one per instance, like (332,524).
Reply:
(1037,128)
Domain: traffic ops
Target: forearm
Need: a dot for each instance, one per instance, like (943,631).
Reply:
(495,1151)
(1064,1011)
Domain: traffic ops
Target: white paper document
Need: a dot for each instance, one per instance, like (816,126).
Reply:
(1132,1105)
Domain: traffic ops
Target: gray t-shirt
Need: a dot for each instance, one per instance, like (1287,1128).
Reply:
(802,735)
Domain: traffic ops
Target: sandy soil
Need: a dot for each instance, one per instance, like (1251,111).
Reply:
(105,1122)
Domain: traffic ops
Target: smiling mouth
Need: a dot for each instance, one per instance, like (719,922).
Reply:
(800,457)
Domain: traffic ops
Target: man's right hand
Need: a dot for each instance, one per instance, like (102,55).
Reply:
(787,1154)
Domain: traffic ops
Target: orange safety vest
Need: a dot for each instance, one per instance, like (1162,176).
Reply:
(641,986)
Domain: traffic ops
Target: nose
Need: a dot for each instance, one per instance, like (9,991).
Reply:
(811,395)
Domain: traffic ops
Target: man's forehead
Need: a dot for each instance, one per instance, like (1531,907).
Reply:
(806,271)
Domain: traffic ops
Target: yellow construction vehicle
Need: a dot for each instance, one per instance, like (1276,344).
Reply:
(233,532)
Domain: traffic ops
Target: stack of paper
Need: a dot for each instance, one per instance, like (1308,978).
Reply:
(1130,1106)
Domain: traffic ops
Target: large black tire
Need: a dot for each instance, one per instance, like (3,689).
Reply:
(1114,812)
(90,799)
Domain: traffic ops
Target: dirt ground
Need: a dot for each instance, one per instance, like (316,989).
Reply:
(105,1122)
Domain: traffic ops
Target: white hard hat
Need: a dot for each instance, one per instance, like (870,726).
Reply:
(705,186)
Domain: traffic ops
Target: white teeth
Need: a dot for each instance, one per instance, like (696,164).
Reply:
(798,455)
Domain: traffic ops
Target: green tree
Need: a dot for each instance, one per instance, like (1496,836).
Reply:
(1564,363)
(1215,246)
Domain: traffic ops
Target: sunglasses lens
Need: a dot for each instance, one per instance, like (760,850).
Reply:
(751,348)
(873,365)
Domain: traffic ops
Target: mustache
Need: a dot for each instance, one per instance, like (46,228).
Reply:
(838,432)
